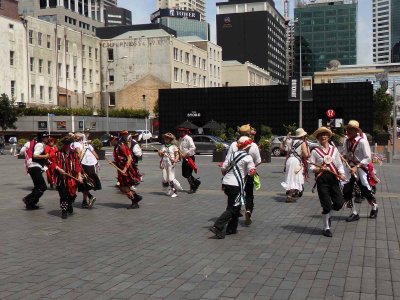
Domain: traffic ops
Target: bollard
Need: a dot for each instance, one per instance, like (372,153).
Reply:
(389,158)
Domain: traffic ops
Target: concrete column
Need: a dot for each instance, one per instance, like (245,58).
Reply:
(76,6)
(69,5)
(95,10)
(61,3)
(90,8)
(47,4)
(102,11)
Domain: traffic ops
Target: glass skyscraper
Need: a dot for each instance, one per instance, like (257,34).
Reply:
(328,31)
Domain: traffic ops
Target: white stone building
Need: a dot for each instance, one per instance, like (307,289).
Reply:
(235,73)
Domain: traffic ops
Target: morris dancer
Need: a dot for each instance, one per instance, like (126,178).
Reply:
(89,162)
(295,166)
(128,178)
(358,154)
(68,176)
(51,149)
(328,169)
(35,159)
(136,151)
(254,152)
(169,154)
(187,150)
(235,168)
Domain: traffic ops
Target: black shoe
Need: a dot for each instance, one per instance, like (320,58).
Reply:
(229,232)
(353,218)
(373,214)
(32,207)
(85,204)
(134,205)
(70,209)
(327,233)
(64,214)
(137,197)
(218,233)
(248,220)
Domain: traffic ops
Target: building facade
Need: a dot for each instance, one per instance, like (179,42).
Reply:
(81,15)
(326,30)
(190,5)
(240,33)
(386,31)
(9,8)
(235,73)
(141,59)
(110,3)
(117,16)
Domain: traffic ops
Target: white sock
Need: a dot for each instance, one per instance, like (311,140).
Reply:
(375,207)
(325,220)
(353,209)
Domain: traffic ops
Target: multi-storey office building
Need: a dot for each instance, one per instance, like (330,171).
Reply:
(110,3)
(386,31)
(327,31)
(254,31)
(82,15)
(191,5)
(116,16)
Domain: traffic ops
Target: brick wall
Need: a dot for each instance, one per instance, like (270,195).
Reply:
(9,8)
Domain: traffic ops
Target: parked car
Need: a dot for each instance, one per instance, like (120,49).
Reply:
(144,135)
(276,145)
(105,139)
(206,143)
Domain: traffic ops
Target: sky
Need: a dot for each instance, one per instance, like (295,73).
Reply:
(141,10)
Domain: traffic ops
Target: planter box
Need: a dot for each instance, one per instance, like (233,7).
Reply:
(21,156)
(101,154)
(219,156)
(265,156)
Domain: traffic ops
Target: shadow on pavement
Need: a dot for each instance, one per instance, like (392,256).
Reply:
(114,205)
(302,229)
(56,213)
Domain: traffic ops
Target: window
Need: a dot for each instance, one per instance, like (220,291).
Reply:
(40,65)
(39,39)
(32,91)
(111,75)
(176,74)
(74,72)
(11,58)
(59,70)
(31,37)
(84,74)
(50,91)
(12,88)
(90,52)
(66,46)
(187,58)
(96,53)
(58,44)
(32,64)
(10,26)
(111,100)
(83,50)
(194,61)
(110,52)
(48,41)
(41,89)
(175,53)
(49,67)
(67,71)
(90,75)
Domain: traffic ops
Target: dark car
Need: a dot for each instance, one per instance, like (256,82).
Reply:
(206,143)
(105,139)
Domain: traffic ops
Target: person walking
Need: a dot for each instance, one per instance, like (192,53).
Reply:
(295,166)
(187,151)
(235,169)
(13,143)
(2,144)
(247,131)
(169,154)
(358,154)
(327,166)
(51,149)
(35,160)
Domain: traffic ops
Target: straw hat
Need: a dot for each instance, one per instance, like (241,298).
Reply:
(169,135)
(322,130)
(300,132)
(353,124)
(124,132)
(245,129)
(244,142)
(134,134)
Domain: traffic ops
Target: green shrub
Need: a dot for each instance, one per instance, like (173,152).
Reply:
(97,144)
(219,147)
(264,144)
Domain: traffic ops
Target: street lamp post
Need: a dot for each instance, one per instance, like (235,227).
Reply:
(301,81)
(394,150)
(145,108)
(107,92)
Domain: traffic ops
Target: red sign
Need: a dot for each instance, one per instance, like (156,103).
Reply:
(330,113)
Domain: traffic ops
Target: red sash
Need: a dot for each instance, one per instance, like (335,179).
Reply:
(331,165)
(351,148)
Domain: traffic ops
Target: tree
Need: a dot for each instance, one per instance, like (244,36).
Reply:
(382,106)
(8,113)
(155,108)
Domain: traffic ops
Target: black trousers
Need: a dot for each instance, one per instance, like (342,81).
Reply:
(231,215)
(91,183)
(187,171)
(66,200)
(329,193)
(249,189)
(39,186)
(365,192)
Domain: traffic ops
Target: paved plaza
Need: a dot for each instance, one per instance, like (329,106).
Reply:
(164,250)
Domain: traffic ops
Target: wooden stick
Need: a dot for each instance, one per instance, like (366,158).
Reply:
(325,169)
(164,153)
(111,163)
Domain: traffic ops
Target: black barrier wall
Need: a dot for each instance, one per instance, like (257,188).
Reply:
(265,105)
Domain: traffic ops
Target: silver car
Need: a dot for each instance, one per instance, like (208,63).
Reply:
(206,143)
(276,143)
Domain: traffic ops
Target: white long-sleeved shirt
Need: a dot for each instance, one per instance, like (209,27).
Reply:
(186,145)
(253,151)
(319,160)
(37,150)
(245,165)
(170,154)
(361,154)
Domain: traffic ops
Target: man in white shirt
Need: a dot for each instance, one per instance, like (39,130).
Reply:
(13,143)
(35,160)
(187,150)
(235,168)
(254,152)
